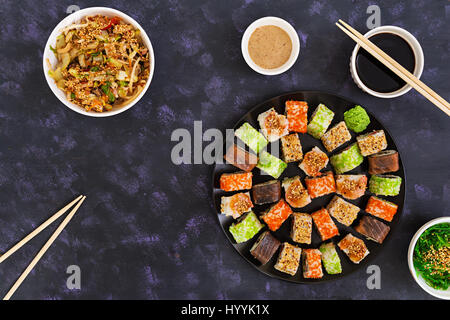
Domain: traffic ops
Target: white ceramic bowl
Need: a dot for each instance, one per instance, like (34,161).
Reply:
(271,21)
(436,293)
(74,17)
(418,53)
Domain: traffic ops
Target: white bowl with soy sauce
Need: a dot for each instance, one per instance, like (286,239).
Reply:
(375,78)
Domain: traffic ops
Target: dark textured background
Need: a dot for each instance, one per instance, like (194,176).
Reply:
(148,228)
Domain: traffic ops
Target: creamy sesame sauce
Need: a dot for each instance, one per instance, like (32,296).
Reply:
(270,47)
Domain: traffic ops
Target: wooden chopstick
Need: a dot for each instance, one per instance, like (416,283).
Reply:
(404,74)
(22,242)
(43,250)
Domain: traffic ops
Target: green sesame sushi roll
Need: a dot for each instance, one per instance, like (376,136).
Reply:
(271,165)
(246,227)
(347,160)
(251,137)
(330,258)
(385,185)
(320,121)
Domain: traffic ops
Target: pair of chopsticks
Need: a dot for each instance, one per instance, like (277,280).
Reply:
(395,67)
(47,245)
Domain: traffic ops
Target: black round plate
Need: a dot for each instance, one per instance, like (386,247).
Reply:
(339,105)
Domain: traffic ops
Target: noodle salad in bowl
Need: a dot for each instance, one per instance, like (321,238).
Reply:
(99,62)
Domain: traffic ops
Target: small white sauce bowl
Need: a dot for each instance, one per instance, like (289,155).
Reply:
(436,293)
(271,21)
(74,18)
(415,46)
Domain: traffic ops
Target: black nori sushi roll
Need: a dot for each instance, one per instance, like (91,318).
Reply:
(372,229)
(267,192)
(383,162)
(265,247)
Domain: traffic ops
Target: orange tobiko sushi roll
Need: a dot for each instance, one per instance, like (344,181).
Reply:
(325,225)
(297,115)
(240,180)
(381,208)
(277,214)
(312,263)
(322,185)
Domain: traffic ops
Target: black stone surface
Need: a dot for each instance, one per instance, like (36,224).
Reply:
(148,228)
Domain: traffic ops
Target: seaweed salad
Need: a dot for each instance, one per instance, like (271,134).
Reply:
(432,256)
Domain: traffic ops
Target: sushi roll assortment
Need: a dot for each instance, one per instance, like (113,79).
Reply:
(251,137)
(354,248)
(273,125)
(246,227)
(383,162)
(301,227)
(267,192)
(372,142)
(236,205)
(372,229)
(297,115)
(382,209)
(291,148)
(347,160)
(287,128)
(265,247)
(271,164)
(314,161)
(240,158)
(320,186)
(325,225)
(385,185)
(236,181)
(312,263)
(330,258)
(343,211)
(320,121)
(276,215)
(295,193)
(336,136)
(351,186)
(289,259)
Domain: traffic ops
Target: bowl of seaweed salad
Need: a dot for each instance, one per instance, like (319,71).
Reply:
(429,257)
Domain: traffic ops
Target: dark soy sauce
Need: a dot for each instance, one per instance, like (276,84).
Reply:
(374,74)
